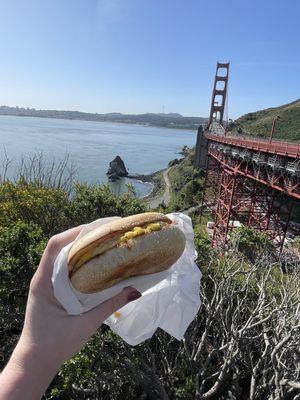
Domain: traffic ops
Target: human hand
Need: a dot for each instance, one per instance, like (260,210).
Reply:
(50,336)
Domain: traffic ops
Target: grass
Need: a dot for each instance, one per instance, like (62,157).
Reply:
(259,123)
(186,184)
(159,184)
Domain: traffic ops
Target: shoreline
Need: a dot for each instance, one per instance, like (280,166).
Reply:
(150,193)
(191,129)
(153,179)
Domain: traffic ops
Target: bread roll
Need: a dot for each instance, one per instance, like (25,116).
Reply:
(105,257)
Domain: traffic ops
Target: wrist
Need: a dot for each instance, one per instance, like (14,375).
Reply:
(31,357)
(27,374)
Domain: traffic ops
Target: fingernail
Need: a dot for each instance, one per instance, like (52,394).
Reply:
(134,295)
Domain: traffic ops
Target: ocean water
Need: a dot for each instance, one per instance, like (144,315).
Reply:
(91,146)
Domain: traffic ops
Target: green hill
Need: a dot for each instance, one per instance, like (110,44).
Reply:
(170,120)
(259,123)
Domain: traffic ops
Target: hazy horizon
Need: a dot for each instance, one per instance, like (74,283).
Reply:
(109,112)
(148,112)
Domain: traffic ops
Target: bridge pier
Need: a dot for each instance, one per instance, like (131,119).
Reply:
(200,160)
(224,208)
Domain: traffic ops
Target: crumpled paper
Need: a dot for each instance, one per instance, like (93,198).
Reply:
(170,298)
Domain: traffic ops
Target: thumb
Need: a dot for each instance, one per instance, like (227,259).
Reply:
(107,308)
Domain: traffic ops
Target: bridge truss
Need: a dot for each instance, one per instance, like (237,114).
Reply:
(251,181)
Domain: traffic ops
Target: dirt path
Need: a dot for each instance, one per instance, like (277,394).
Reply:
(165,198)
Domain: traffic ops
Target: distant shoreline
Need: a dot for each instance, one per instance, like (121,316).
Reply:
(169,121)
(99,122)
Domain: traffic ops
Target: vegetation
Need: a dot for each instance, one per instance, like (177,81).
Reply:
(242,344)
(224,354)
(260,122)
(30,214)
(171,120)
(250,243)
(159,185)
(186,184)
(294,247)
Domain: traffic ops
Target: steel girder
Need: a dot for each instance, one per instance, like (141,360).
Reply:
(275,176)
(242,198)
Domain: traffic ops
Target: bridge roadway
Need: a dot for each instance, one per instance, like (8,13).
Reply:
(275,147)
(276,164)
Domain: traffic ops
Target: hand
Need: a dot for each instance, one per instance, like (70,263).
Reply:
(50,336)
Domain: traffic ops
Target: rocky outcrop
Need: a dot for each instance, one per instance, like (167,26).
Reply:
(173,162)
(116,169)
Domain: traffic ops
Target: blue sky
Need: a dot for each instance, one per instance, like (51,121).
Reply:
(135,56)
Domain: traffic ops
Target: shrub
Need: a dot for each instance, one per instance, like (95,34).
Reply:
(245,334)
(29,214)
(21,246)
(250,243)
(91,202)
(31,202)
(187,185)
(53,210)
(224,354)
(296,244)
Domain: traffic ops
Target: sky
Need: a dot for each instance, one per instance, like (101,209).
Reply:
(137,56)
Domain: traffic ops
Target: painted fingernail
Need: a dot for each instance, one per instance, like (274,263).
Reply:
(134,295)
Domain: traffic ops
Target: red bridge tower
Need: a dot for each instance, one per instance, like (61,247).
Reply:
(219,94)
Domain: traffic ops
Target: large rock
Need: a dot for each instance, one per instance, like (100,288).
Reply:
(116,169)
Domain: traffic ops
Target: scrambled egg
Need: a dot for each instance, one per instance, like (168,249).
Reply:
(89,254)
(137,231)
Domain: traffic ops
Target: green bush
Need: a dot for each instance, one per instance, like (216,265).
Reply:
(251,244)
(90,202)
(21,246)
(29,215)
(54,210)
(203,246)
(296,243)
(186,184)
(32,202)
(162,367)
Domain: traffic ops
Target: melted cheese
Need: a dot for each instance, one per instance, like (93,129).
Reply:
(89,254)
(138,230)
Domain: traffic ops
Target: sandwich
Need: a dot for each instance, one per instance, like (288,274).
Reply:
(138,245)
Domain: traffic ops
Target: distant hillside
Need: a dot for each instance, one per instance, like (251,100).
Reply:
(260,122)
(171,120)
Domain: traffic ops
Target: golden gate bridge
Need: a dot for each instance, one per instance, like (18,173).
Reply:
(251,180)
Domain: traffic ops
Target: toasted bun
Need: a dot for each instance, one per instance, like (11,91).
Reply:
(100,239)
(143,255)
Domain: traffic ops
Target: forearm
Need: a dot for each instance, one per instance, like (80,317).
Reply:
(27,374)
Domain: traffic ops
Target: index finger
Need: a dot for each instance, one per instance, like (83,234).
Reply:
(55,244)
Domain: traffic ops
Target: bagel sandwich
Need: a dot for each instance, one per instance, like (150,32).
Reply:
(138,245)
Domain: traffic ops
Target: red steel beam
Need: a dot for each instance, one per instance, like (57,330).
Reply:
(276,148)
(289,192)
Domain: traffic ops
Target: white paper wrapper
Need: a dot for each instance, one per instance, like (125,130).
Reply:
(170,298)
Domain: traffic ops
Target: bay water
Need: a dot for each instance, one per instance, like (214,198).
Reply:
(91,146)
